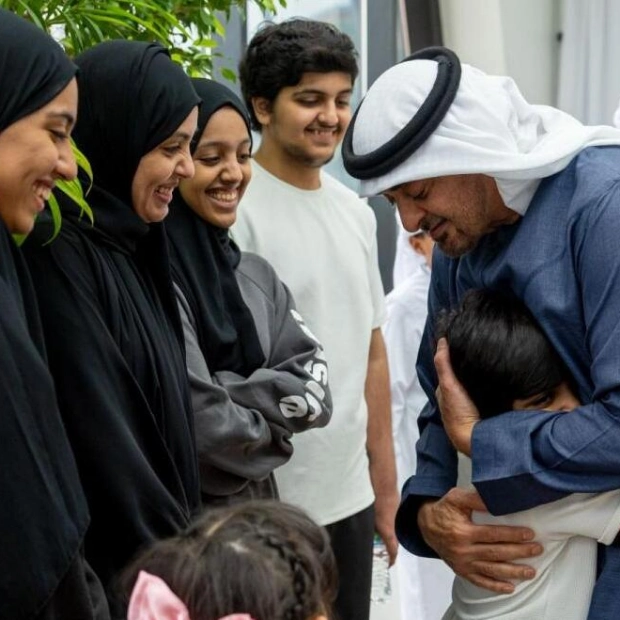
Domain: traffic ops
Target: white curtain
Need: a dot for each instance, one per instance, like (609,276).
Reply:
(589,80)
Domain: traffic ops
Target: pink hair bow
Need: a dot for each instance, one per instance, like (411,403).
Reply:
(152,599)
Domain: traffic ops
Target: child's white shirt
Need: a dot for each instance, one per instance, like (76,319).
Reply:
(569,530)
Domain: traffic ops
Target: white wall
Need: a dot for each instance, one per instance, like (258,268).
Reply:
(507,37)
(472,28)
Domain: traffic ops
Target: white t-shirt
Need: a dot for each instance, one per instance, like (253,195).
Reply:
(322,244)
(568,529)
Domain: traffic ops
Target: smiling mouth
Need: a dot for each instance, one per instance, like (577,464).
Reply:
(42,192)
(226,196)
(165,193)
(323,132)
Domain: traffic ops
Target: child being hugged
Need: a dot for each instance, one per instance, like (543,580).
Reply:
(258,560)
(505,363)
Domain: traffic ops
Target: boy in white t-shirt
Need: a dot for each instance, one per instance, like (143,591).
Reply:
(505,362)
(297,81)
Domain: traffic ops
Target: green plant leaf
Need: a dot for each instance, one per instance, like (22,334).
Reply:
(229,74)
(54,209)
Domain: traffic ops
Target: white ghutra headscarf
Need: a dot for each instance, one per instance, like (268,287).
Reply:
(489,129)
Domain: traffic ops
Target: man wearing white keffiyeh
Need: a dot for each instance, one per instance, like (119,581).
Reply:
(520,198)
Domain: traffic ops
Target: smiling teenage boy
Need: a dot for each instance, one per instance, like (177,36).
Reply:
(297,79)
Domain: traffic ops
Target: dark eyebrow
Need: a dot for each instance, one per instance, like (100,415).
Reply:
(314,91)
(208,143)
(63,115)
(180,134)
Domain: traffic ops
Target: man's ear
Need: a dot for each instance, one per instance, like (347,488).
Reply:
(262,109)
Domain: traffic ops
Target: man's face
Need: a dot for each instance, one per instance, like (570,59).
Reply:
(306,122)
(456,211)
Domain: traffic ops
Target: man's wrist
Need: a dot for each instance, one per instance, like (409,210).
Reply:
(423,510)
(460,436)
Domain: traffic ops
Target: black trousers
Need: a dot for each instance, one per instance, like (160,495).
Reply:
(351,541)
(79,596)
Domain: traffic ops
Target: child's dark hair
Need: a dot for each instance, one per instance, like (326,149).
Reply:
(262,557)
(279,54)
(498,351)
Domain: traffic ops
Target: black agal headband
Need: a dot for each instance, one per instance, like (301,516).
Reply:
(418,129)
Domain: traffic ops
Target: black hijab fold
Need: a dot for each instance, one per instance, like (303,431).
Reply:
(43,512)
(204,259)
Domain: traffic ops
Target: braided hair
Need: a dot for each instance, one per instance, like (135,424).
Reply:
(240,559)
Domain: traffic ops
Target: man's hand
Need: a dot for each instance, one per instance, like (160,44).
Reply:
(386,506)
(482,554)
(458,412)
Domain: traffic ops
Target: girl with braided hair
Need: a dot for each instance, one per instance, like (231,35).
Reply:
(258,560)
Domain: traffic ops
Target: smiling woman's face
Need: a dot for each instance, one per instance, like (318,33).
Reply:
(223,170)
(35,152)
(160,171)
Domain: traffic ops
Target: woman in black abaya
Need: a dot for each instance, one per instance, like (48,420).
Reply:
(111,325)
(257,374)
(43,511)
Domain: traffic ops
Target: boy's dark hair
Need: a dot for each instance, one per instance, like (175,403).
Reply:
(498,351)
(261,557)
(279,54)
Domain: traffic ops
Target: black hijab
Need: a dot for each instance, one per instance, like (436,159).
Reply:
(43,513)
(132,97)
(204,259)
(33,68)
(111,322)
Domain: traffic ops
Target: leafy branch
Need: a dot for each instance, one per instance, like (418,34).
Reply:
(189,28)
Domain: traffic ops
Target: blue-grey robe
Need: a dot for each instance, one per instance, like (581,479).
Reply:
(563,260)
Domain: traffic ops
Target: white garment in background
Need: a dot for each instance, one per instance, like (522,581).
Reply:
(402,332)
(406,261)
(322,243)
(425,584)
(568,529)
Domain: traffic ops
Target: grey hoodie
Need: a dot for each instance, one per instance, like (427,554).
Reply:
(244,425)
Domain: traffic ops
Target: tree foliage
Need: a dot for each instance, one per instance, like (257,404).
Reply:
(187,27)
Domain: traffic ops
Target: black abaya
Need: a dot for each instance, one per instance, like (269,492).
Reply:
(43,511)
(110,318)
